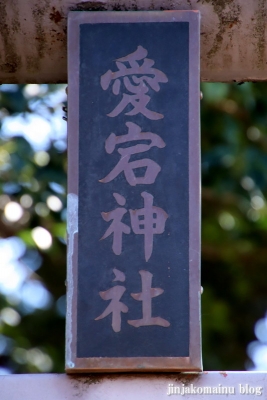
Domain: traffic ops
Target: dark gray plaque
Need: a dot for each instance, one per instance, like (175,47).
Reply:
(133,202)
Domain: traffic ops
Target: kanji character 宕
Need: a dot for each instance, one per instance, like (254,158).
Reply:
(127,166)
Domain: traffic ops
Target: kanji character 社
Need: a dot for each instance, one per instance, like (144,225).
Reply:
(148,221)
(127,166)
(146,297)
(115,307)
(138,86)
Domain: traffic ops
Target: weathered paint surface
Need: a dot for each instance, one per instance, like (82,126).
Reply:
(33,36)
(72,229)
(118,387)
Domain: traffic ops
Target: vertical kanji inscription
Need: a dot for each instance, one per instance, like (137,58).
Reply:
(133,247)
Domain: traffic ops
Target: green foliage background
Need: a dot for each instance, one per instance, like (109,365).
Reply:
(234,228)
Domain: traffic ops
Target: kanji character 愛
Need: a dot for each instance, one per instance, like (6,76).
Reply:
(138,86)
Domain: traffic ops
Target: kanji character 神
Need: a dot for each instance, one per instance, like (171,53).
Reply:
(127,166)
(146,221)
(138,86)
(116,227)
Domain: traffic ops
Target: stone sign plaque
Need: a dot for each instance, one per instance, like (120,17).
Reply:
(134,188)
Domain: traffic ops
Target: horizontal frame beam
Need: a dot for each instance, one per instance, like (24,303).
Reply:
(198,386)
(33,37)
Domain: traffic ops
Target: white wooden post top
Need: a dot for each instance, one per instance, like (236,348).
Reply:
(189,386)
